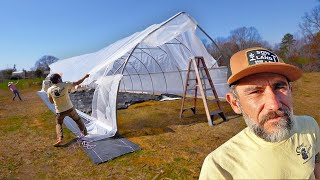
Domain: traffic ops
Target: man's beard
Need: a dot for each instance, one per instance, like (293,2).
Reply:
(281,128)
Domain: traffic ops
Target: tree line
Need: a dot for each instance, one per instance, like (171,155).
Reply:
(40,70)
(301,49)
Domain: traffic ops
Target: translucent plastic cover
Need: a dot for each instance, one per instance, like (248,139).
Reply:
(154,60)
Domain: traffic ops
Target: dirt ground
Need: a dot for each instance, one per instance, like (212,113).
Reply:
(172,148)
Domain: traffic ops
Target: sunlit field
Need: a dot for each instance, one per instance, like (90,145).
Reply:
(172,148)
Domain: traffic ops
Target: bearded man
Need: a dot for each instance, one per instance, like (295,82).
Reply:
(276,144)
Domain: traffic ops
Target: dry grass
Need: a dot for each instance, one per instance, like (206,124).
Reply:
(171,147)
(307,96)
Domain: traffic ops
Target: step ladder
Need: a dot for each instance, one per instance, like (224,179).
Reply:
(197,77)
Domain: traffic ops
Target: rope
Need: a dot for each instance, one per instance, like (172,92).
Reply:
(84,143)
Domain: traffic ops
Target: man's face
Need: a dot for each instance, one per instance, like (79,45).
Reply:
(265,100)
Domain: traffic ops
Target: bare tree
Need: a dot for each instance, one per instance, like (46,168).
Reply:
(44,62)
(310,25)
(314,47)
(220,53)
(310,28)
(239,39)
(245,37)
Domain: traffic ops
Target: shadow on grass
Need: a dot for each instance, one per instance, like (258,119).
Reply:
(153,118)
(71,142)
(229,116)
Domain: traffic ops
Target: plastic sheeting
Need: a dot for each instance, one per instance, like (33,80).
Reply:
(154,60)
(103,121)
(102,150)
(160,48)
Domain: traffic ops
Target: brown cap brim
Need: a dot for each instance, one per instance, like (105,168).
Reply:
(291,72)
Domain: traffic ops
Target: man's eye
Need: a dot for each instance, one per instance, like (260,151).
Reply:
(255,92)
(282,87)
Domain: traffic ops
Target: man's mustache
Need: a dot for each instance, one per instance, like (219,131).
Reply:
(275,114)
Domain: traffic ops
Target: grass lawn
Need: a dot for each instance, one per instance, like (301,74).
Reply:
(172,148)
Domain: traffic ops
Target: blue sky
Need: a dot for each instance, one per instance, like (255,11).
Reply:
(65,28)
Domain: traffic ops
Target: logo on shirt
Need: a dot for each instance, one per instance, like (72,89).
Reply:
(57,91)
(304,152)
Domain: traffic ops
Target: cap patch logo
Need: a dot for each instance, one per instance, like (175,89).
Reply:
(261,56)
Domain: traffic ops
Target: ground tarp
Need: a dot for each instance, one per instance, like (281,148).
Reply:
(99,151)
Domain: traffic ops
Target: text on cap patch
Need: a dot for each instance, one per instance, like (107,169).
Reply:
(258,56)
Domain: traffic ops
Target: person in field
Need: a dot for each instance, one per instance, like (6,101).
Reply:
(58,94)
(12,87)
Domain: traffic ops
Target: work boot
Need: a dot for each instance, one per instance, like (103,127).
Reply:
(58,143)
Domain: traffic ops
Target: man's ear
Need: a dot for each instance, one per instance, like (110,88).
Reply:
(232,100)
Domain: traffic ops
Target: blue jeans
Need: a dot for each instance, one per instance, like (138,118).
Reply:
(16,92)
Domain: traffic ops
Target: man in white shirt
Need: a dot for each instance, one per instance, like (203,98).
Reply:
(58,94)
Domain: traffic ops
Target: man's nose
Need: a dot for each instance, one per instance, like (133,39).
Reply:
(272,102)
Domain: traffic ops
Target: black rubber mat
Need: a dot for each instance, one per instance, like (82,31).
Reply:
(108,149)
